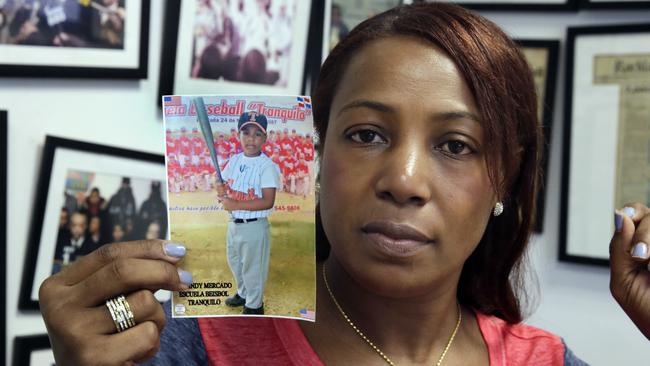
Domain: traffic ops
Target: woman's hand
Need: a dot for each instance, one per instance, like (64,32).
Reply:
(79,324)
(629,254)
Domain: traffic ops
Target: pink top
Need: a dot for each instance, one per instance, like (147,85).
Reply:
(271,341)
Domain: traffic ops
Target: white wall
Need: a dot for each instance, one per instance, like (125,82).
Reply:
(574,302)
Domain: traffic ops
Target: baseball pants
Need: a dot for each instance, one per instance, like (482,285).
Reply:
(248,247)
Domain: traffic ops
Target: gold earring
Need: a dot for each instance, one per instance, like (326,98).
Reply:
(498,209)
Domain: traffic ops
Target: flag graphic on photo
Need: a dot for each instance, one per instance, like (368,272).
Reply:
(172,100)
(307,314)
(304,102)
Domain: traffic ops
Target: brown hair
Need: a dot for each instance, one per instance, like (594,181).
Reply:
(502,85)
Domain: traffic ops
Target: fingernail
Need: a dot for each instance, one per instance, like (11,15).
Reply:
(174,250)
(618,221)
(185,277)
(628,211)
(640,250)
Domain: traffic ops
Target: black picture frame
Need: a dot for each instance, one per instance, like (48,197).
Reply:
(522,5)
(600,224)
(89,152)
(300,55)
(25,345)
(613,4)
(547,101)
(4,157)
(87,70)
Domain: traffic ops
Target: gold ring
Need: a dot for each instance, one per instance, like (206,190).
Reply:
(121,313)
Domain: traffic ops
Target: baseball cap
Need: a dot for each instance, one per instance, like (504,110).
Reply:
(255,118)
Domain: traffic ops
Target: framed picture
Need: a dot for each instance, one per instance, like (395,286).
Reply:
(614,4)
(74,38)
(343,15)
(606,160)
(542,55)
(32,350)
(234,48)
(517,5)
(89,195)
(3,229)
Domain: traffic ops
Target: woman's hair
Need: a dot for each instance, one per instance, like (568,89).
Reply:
(501,82)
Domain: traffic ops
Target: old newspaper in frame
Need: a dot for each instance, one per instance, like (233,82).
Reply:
(245,210)
(631,73)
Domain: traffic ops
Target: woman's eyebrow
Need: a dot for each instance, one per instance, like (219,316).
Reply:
(381,107)
(363,103)
(449,116)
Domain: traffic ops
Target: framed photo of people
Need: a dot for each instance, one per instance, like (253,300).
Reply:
(32,350)
(343,15)
(542,55)
(518,5)
(236,47)
(606,161)
(90,195)
(74,38)
(614,4)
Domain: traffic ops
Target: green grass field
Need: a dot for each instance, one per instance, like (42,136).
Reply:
(291,283)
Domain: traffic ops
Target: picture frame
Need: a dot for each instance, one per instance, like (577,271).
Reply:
(4,157)
(344,15)
(75,40)
(542,55)
(515,5)
(32,350)
(219,50)
(606,137)
(614,4)
(65,227)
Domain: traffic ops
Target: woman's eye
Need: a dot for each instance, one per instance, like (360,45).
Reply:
(366,137)
(455,147)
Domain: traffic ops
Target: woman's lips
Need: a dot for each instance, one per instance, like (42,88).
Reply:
(395,239)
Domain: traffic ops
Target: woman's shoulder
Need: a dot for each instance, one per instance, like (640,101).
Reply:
(523,344)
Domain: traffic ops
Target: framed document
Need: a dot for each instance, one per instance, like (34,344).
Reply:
(606,159)
(74,38)
(234,47)
(542,55)
(32,350)
(89,195)
(614,4)
(522,5)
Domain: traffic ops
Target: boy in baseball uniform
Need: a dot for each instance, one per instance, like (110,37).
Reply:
(251,180)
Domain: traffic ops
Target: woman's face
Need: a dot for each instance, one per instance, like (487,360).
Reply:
(405,194)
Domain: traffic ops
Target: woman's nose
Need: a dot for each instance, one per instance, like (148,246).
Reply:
(405,176)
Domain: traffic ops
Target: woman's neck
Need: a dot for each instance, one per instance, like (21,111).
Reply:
(411,330)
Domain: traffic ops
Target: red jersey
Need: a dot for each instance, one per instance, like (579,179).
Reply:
(235,145)
(288,166)
(223,150)
(197,146)
(171,145)
(185,145)
(286,147)
(267,148)
(308,150)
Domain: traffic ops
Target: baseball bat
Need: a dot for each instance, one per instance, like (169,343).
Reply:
(204,123)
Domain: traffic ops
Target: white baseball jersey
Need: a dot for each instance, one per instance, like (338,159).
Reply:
(247,176)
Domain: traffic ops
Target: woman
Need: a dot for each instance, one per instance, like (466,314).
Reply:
(430,111)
